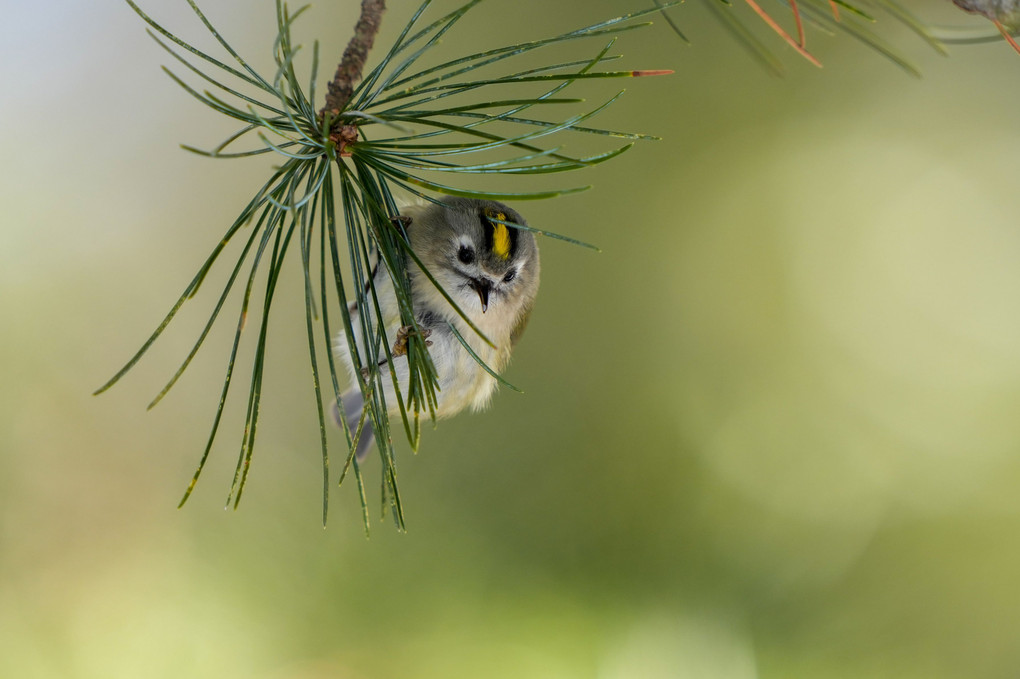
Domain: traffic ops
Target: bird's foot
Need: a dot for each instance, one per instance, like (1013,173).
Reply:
(400,346)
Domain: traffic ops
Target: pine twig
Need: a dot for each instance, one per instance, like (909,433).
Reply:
(348,72)
(413,134)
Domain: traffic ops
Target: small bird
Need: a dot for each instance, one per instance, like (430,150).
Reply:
(490,270)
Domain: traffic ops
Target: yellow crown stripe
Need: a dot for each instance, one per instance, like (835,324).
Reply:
(500,238)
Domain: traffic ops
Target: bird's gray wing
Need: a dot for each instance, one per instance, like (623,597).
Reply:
(353,405)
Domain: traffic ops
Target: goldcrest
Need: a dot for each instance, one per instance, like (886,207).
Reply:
(492,273)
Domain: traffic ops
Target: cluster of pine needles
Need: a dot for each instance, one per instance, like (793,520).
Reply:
(331,198)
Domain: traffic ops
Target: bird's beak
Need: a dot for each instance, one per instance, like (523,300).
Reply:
(482,286)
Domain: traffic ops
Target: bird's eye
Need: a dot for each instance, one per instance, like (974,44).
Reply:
(510,275)
(466,254)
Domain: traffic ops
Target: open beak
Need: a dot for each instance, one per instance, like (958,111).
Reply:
(482,286)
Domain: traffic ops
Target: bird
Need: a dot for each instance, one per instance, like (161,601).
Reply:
(492,273)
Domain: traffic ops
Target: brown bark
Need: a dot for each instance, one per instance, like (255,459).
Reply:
(349,71)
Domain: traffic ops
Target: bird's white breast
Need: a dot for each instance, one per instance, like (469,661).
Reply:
(462,382)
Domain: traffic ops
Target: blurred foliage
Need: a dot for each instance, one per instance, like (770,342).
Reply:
(830,17)
(769,431)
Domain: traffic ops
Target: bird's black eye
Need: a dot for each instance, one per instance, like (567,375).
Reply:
(510,275)
(466,254)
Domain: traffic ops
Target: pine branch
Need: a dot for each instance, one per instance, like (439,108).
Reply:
(349,71)
(398,127)
(1004,14)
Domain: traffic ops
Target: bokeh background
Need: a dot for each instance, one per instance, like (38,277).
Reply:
(771,431)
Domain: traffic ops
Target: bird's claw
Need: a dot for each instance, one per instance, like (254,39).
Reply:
(400,345)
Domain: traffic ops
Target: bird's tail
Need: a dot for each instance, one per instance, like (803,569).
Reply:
(354,404)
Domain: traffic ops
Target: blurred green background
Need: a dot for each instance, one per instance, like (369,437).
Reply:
(771,431)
